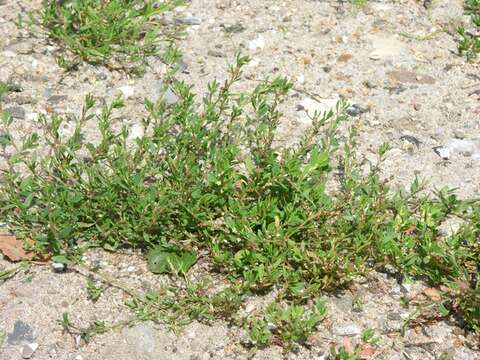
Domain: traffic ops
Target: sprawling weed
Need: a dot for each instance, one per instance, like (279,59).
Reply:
(116,33)
(209,182)
(287,325)
(469,44)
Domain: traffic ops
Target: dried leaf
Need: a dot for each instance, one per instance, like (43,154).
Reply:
(347,345)
(411,230)
(345,57)
(367,351)
(12,248)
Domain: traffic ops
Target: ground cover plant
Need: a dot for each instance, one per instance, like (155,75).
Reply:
(115,33)
(469,44)
(208,181)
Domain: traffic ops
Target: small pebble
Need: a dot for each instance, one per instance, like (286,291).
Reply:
(356,110)
(233,29)
(14,87)
(182,66)
(170,97)
(258,43)
(59,267)
(411,139)
(127,91)
(20,70)
(17,112)
(345,57)
(215,53)
(28,350)
(459,134)
(346,330)
(9,54)
(22,48)
(56,98)
(191,20)
(301,79)
(22,332)
(406,288)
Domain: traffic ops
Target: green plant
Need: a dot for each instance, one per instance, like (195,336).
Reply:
(116,33)
(287,324)
(6,274)
(260,334)
(179,307)
(342,353)
(3,336)
(472,8)
(162,259)
(360,3)
(4,89)
(210,182)
(468,307)
(94,292)
(469,44)
(368,337)
(86,334)
(357,304)
(349,352)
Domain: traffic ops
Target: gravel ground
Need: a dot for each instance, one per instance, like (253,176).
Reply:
(396,61)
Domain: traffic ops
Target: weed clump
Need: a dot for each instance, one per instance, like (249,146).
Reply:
(116,33)
(469,44)
(208,182)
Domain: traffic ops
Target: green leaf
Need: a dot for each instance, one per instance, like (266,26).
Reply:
(5,139)
(182,263)
(3,335)
(162,260)
(62,259)
(443,310)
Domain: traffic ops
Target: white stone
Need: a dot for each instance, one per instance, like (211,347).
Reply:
(58,267)
(136,132)
(301,79)
(271,326)
(30,116)
(28,350)
(463,147)
(127,91)
(257,44)
(346,330)
(170,97)
(319,106)
(249,307)
(253,63)
(385,45)
(9,54)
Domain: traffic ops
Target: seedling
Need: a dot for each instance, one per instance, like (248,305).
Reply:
(94,292)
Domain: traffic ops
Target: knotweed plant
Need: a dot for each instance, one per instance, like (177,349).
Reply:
(115,33)
(207,180)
